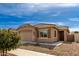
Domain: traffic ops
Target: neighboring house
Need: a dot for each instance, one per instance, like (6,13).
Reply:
(43,32)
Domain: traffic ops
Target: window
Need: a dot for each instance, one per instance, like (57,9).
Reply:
(54,33)
(43,33)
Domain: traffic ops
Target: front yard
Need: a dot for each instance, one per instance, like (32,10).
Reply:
(65,49)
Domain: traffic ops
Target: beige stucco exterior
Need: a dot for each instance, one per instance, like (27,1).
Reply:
(51,29)
(76,36)
(52,34)
(31,33)
(65,35)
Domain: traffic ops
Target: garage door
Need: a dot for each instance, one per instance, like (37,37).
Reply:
(26,35)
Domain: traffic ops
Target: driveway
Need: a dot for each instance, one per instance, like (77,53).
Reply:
(23,52)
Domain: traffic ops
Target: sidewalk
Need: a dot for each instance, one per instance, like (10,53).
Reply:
(23,52)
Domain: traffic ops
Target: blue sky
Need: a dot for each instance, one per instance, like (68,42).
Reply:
(13,15)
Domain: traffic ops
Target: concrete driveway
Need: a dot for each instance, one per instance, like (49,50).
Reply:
(23,52)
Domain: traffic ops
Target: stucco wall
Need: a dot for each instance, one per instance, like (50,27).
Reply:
(42,25)
(65,35)
(52,34)
(76,37)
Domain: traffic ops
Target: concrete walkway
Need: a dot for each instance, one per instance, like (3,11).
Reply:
(53,44)
(23,52)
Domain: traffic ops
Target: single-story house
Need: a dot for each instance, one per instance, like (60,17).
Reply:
(43,32)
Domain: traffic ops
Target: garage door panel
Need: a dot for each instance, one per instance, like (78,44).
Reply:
(26,35)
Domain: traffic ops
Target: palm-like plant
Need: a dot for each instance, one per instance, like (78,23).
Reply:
(8,40)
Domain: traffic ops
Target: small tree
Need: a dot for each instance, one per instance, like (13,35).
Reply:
(8,40)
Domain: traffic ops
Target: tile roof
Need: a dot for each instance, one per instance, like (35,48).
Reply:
(57,26)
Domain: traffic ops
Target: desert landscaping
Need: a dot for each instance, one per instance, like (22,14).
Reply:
(65,49)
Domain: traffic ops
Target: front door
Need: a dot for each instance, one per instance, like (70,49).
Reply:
(61,35)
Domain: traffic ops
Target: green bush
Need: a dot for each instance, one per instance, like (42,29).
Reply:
(8,40)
